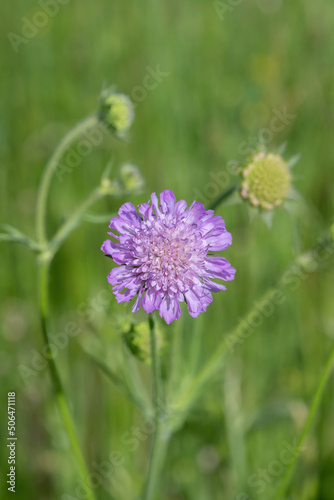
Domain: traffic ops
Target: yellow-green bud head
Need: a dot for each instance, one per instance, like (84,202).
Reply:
(131,178)
(266,181)
(116,112)
(139,341)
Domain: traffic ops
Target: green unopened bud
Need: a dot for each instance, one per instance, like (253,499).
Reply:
(266,181)
(139,341)
(111,187)
(131,178)
(116,112)
(332,232)
(123,323)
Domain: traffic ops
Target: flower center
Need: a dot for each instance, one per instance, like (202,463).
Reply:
(169,254)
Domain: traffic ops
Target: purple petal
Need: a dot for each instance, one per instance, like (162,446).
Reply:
(169,309)
(194,305)
(116,236)
(109,247)
(155,204)
(118,274)
(125,296)
(180,207)
(198,300)
(121,225)
(194,213)
(212,223)
(145,209)
(219,267)
(168,201)
(149,301)
(122,257)
(204,296)
(128,213)
(214,287)
(218,240)
(137,304)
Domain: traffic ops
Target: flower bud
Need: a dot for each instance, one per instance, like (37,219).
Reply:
(139,341)
(131,178)
(266,181)
(116,111)
(332,232)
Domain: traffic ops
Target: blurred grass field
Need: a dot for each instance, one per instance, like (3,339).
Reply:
(225,78)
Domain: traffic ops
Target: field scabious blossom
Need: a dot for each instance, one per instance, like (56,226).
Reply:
(165,255)
(266,181)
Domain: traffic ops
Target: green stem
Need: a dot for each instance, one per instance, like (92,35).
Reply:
(305,263)
(74,219)
(174,371)
(156,373)
(223,196)
(118,381)
(56,381)
(134,379)
(43,192)
(190,393)
(307,426)
(195,344)
(162,432)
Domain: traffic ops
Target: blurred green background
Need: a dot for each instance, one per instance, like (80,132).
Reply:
(226,68)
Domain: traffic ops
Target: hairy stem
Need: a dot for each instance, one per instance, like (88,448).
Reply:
(71,223)
(223,196)
(43,191)
(56,381)
(162,432)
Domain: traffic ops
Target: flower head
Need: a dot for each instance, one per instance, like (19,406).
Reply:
(266,181)
(131,178)
(165,255)
(116,111)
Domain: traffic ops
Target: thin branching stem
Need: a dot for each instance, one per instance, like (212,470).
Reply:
(304,263)
(223,196)
(72,222)
(50,168)
(162,432)
(118,382)
(56,381)
(307,426)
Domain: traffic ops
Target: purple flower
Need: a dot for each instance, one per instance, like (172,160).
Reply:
(165,256)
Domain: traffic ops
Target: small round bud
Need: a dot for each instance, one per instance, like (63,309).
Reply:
(139,341)
(111,187)
(266,181)
(116,112)
(131,178)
